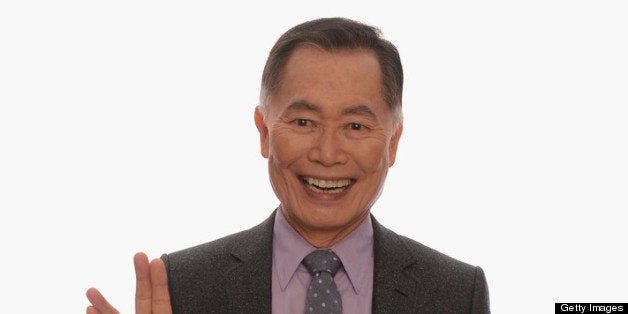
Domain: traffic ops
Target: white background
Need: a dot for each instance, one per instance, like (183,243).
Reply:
(127,126)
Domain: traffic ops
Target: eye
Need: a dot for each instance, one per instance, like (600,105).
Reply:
(302,122)
(355,126)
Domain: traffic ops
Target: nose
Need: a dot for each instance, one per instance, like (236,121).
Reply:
(328,149)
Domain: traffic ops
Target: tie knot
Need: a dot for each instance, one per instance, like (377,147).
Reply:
(322,261)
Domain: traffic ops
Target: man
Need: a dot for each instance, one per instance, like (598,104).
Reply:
(329,121)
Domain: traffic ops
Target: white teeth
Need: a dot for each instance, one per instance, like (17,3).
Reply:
(328,184)
(334,186)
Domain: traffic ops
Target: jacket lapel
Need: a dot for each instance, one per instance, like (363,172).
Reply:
(250,279)
(394,290)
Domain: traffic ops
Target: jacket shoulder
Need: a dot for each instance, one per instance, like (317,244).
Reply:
(437,262)
(443,283)
(198,276)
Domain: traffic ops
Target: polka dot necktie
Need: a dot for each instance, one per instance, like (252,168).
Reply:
(322,294)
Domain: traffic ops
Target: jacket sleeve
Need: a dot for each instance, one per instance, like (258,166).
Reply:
(481,303)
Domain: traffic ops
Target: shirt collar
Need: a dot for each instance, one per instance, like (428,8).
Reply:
(355,251)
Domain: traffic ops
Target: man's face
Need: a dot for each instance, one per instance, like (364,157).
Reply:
(329,138)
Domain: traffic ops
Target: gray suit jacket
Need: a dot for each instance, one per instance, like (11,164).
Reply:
(233,275)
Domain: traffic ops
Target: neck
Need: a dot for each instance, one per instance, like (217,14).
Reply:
(324,237)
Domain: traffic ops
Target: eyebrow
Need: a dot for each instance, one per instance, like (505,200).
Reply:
(360,110)
(303,105)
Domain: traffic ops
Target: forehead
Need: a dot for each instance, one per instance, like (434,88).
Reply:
(311,55)
(331,79)
(340,67)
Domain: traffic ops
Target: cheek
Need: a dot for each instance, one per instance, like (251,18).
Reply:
(284,150)
(372,157)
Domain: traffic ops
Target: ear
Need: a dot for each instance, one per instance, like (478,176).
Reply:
(263,131)
(394,142)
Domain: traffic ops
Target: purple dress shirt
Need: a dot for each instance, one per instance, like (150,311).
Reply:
(291,279)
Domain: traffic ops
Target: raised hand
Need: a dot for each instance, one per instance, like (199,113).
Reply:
(151,286)
(99,303)
(151,290)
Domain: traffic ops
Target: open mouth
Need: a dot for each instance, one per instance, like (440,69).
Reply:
(326,186)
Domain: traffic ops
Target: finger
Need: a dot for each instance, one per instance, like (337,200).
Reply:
(99,303)
(159,280)
(92,310)
(143,292)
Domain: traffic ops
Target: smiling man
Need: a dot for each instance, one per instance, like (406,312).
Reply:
(329,138)
(329,121)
